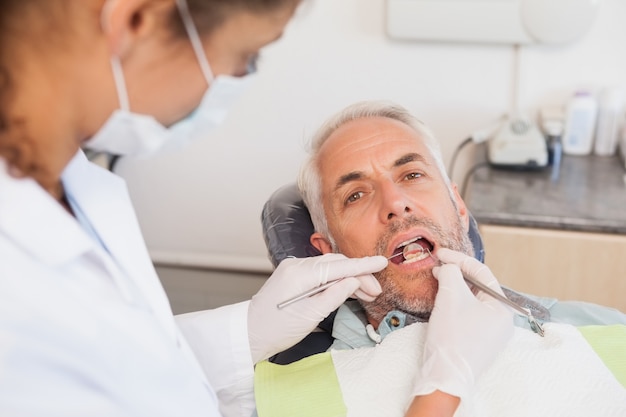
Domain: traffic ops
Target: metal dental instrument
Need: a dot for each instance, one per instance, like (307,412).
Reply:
(322,287)
(534,324)
(406,251)
(307,294)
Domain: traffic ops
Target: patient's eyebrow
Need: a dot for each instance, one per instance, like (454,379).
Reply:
(349,177)
(409,157)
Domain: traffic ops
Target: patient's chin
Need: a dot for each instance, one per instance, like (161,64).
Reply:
(418,307)
(414,295)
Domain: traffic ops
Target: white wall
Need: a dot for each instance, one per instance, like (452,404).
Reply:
(202,206)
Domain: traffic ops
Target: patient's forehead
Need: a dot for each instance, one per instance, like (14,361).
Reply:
(362,143)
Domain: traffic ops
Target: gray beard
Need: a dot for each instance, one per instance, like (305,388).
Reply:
(395,298)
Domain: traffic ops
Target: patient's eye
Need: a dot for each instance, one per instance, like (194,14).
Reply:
(354,197)
(413,176)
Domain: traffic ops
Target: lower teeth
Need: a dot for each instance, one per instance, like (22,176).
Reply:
(416,257)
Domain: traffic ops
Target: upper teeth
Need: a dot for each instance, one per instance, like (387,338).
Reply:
(415,239)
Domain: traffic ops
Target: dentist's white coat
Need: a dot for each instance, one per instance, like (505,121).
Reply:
(88,331)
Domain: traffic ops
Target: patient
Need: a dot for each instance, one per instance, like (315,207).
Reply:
(357,214)
(375,183)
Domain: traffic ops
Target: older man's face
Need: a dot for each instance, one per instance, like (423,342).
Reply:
(381,189)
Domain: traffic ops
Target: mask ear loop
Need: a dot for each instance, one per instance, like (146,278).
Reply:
(196,43)
(116,66)
(120,83)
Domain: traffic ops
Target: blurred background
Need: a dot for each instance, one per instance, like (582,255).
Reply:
(200,208)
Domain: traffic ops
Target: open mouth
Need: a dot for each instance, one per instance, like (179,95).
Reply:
(412,250)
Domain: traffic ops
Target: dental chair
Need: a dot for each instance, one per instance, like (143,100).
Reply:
(287,227)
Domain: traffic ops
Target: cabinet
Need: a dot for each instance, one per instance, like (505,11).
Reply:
(568,265)
(561,236)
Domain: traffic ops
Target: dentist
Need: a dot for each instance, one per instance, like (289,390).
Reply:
(85,326)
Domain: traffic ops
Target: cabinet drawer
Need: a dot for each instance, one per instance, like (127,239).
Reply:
(561,264)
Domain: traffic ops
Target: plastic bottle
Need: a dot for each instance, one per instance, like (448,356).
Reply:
(580,124)
(622,145)
(610,117)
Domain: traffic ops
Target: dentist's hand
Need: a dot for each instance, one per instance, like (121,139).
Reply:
(465,332)
(272,330)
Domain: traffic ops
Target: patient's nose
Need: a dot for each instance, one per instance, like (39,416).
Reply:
(395,203)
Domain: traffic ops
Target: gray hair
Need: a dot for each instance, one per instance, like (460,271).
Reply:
(310,181)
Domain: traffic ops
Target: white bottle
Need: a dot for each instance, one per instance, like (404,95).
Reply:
(580,124)
(622,145)
(610,117)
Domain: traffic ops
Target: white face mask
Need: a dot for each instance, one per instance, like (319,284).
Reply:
(127,133)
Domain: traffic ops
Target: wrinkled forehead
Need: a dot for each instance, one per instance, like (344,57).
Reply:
(368,144)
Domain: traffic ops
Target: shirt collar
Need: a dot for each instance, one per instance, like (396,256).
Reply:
(32,219)
(350,327)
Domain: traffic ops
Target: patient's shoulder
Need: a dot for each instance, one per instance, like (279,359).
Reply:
(579,313)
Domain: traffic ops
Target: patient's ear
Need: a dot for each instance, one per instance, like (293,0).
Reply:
(321,243)
(461,207)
